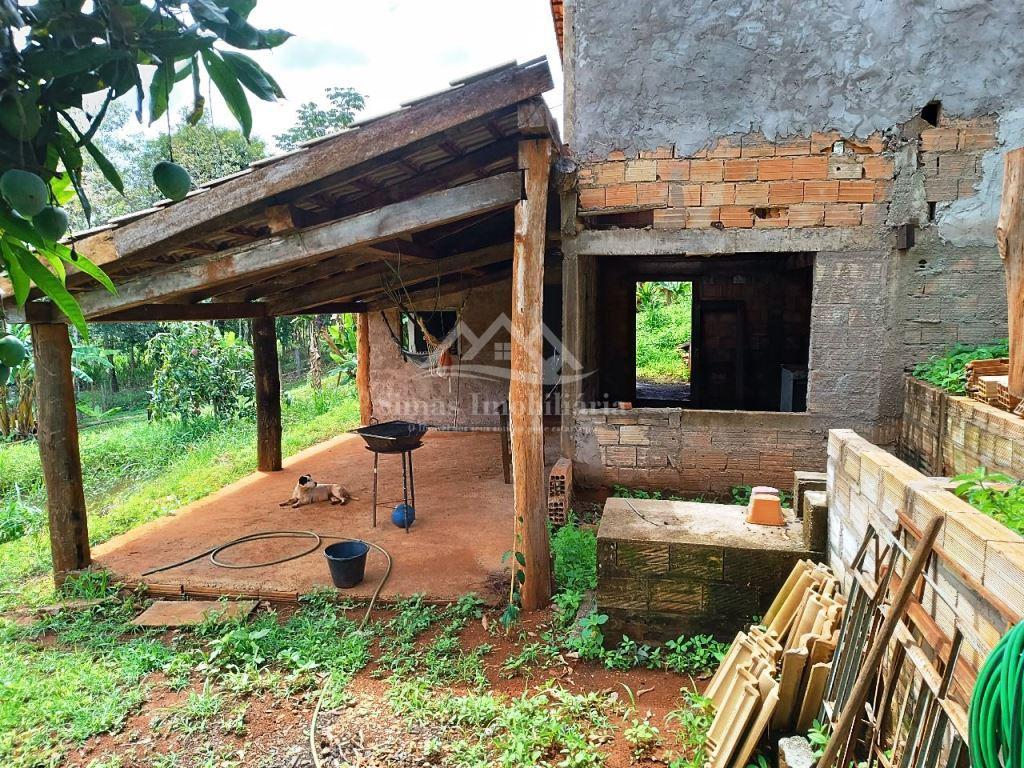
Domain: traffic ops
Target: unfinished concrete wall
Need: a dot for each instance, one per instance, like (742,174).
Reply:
(946,435)
(468,394)
(655,73)
(980,565)
(709,128)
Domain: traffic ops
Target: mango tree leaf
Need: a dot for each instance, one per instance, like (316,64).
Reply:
(84,264)
(253,76)
(22,285)
(207,10)
(54,288)
(106,167)
(56,263)
(229,88)
(160,91)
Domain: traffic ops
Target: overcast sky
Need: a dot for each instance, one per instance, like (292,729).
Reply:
(391,50)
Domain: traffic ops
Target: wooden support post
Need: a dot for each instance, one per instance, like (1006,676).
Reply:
(1010,237)
(58,449)
(363,367)
(525,388)
(268,395)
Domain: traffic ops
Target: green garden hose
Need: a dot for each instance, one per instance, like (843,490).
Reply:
(996,716)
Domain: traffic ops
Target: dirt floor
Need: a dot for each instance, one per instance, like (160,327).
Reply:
(462,528)
(273,732)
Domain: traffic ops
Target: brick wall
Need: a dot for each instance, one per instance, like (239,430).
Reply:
(824,180)
(945,435)
(695,452)
(980,565)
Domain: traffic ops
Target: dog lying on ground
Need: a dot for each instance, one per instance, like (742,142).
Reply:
(309,491)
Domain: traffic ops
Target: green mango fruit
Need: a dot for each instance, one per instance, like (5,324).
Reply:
(5,375)
(24,191)
(172,180)
(12,351)
(51,223)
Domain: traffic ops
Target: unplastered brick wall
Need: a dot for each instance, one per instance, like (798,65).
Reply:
(979,568)
(824,180)
(946,435)
(950,156)
(695,451)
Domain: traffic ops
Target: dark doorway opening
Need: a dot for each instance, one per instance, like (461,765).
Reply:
(664,324)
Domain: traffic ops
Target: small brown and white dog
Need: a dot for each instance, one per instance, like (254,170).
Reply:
(309,491)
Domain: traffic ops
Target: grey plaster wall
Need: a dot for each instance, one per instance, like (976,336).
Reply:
(660,72)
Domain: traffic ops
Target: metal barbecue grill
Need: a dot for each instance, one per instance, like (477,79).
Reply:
(391,437)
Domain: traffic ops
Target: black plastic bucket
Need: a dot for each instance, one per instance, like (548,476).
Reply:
(347,561)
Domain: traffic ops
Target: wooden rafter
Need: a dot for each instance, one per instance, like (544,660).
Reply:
(347,289)
(303,247)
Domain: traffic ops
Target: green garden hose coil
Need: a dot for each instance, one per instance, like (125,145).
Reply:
(996,715)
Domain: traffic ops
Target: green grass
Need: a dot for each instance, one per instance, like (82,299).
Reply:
(949,370)
(660,330)
(138,471)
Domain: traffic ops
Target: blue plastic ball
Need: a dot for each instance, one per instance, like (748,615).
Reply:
(398,514)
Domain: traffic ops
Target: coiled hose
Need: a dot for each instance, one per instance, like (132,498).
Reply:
(996,715)
(317,539)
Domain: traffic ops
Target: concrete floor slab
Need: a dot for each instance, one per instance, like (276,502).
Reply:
(463,526)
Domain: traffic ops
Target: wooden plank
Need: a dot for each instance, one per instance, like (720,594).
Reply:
(872,661)
(58,449)
(526,386)
(264,257)
(189,613)
(268,395)
(363,368)
(1010,238)
(233,200)
(372,281)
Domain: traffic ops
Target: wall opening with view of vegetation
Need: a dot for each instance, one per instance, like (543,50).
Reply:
(664,315)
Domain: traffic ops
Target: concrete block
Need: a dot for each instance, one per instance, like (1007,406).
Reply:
(804,481)
(815,515)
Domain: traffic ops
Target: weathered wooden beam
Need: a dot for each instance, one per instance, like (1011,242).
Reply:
(268,395)
(46,312)
(363,368)
(274,254)
(1010,237)
(238,198)
(526,400)
(154,313)
(429,292)
(330,308)
(58,449)
(350,287)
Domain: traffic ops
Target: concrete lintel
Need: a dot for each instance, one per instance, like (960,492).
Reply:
(706,242)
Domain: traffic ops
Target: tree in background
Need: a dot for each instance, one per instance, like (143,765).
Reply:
(313,121)
(55,54)
(196,365)
(205,150)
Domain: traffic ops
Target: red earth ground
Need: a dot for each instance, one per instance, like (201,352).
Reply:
(365,731)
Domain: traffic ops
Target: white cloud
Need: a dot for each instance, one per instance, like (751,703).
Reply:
(390,51)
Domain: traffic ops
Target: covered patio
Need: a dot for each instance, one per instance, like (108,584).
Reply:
(453,190)
(463,526)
